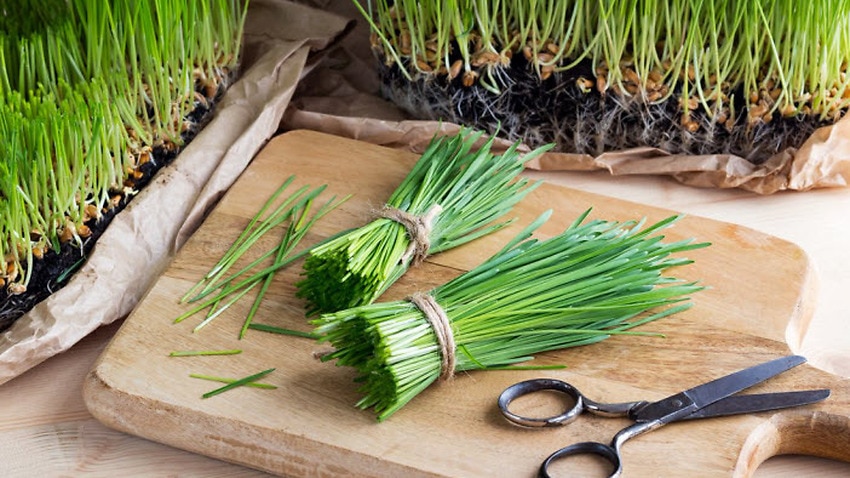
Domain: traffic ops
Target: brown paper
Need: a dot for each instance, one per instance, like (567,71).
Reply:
(281,38)
(344,101)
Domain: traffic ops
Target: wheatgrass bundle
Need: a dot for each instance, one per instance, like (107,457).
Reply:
(94,98)
(594,280)
(747,78)
(451,196)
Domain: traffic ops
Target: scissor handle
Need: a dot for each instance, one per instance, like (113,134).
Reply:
(581,403)
(611,453)
(607,452)
(536,385)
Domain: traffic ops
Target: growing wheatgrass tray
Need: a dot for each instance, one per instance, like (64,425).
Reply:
(750,79)
(309,425)
(142,239)
(95,98)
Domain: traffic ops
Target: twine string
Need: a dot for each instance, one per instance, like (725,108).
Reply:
(418,230)
(439,322)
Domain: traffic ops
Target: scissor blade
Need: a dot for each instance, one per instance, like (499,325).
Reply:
(703,395)
(754,403)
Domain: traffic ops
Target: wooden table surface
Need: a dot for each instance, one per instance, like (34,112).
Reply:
(45,429)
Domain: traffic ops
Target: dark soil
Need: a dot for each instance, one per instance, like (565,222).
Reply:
(555,110)
(54,270)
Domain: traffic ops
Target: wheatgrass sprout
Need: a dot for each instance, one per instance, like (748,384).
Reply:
(174,57)
(594,280)
(707,77)
(52,151)
(453,195)
(90,94)
(38,46)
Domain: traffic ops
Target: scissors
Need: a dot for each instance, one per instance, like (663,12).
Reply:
(711,399)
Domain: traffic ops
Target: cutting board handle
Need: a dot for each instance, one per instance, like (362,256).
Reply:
(822,430)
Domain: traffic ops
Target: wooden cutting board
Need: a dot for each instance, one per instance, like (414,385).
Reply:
(760,291)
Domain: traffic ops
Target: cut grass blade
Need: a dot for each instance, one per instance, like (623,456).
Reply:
(238,383)
(219,293)
(256,228)
(281,331)
(213,378)
(193,353)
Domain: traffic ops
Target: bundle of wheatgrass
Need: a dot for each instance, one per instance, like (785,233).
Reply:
(592,281)
(94,98)
(451,196)
(695,77)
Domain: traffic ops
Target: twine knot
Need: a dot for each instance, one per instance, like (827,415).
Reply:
(418,230)
(439,322)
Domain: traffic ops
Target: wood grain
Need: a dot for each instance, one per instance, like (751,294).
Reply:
(760,288)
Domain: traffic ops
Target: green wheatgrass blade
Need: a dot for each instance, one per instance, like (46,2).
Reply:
(473,188)
(297,229)
(220,293)
(238,383)
(193,353)
(244,240)
(217,308)
(594,280)
(226,380)
(281,331)
(283,251)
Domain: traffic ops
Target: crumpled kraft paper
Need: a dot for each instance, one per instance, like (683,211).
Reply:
(341,98)
(282,42)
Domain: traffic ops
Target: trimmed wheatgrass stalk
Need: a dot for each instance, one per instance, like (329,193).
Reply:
(694,77)
(592,281)
(256,228)
(282,331)
(231,384)
(450,197)
(214,378)
(193,353)
(221,290)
